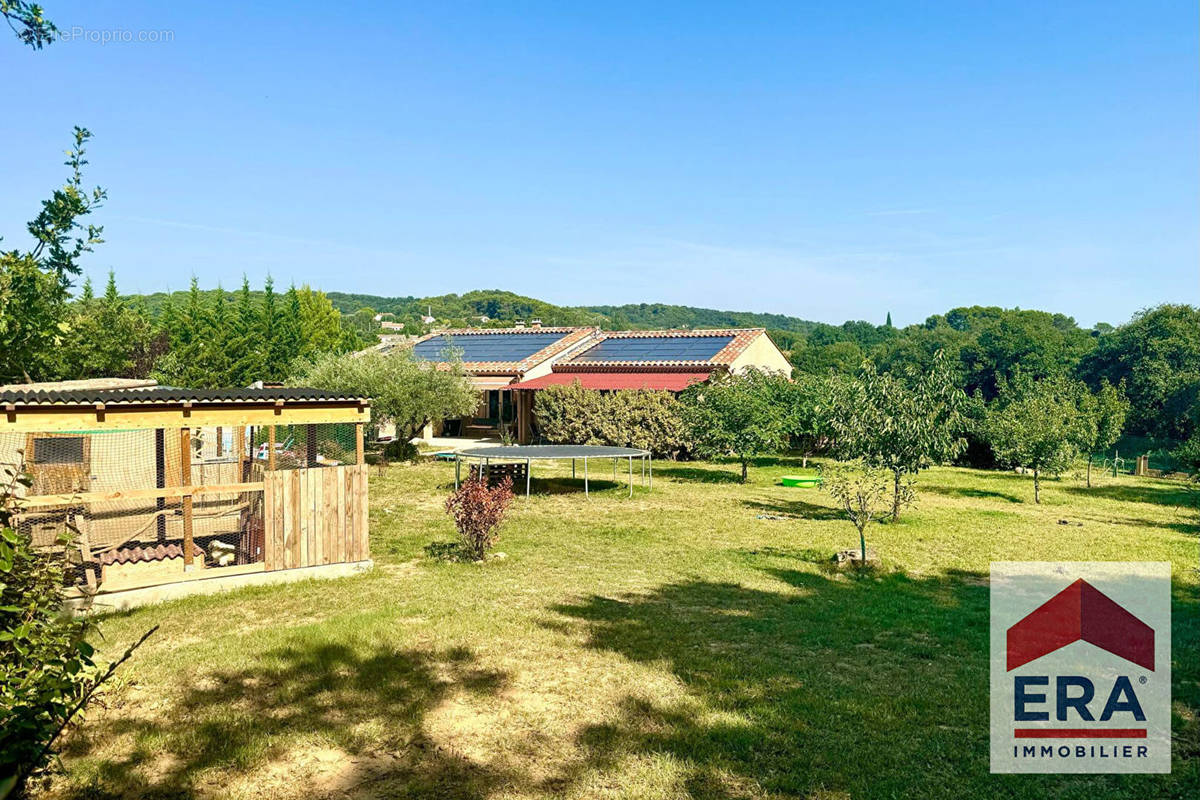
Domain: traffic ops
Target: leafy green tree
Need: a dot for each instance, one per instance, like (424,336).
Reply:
(1157,355)
(1103,419)
(1037,424)
(245,341)
(862,492)
(734,415)
(28,22)
(408,393)
(902,423)
(320,324)
(107,337)
(836,358)
(35,284)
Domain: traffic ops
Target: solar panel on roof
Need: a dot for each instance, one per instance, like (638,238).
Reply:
(655,348)
(486,347)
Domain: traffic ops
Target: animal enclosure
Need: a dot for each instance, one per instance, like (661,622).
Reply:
(156,486)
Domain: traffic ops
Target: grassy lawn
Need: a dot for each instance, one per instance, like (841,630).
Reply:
(671,645)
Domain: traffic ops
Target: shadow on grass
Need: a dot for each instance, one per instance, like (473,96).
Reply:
(700,474)
(1167,493)
(983,494)
(274,706)
(830,685)
(797,508)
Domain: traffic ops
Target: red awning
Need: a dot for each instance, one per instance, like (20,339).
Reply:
(667,381)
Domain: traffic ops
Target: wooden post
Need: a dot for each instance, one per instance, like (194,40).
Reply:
(359,456)
(220,441)
(239,443)
(185,470)
(271,447)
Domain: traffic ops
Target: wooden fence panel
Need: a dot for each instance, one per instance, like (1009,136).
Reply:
(315,516)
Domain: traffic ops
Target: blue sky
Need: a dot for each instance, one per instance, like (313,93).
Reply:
(828,160)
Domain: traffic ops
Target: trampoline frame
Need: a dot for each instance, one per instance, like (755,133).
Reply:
(486,455)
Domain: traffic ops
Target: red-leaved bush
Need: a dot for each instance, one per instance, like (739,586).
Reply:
(478,511)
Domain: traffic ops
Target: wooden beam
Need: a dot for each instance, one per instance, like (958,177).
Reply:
(185,474)
(82,498)
(37,419)
(271,447)
(359,457)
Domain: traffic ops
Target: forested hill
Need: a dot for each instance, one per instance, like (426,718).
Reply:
(501,306)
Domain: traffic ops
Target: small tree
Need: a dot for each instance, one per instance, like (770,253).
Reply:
(862,492)
(407,392)
(478,511)
(735,415)
(1037,424)
(808,404)
(1102,420)
(903,423)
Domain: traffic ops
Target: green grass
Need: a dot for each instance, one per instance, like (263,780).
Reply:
(670,645)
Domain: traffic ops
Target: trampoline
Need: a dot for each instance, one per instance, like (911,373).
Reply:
(527,454)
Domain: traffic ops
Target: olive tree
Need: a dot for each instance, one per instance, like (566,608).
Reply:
(404,391)
(1037,424)
(735,415)
(902,423)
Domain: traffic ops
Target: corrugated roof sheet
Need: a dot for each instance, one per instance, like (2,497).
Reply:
(168,394)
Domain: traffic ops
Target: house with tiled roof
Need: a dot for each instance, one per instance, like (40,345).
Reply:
(660,360)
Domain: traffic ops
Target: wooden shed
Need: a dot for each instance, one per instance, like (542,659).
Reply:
(200,490)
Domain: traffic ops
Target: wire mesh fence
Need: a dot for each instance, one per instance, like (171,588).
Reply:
(140,507)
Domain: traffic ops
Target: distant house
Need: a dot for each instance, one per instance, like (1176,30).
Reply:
(496,358)
(509,365)
(661,360)
(389,325)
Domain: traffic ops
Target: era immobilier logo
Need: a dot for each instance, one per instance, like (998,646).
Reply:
(1080,666)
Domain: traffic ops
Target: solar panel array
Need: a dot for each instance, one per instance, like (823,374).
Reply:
(486,347)
(655,348)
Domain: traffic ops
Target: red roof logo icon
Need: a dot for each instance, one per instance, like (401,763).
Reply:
(1081,612)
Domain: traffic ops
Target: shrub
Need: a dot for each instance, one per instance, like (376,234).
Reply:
(478,511)
(47,671)
(639,418)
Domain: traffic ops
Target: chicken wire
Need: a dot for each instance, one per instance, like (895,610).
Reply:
(122,542)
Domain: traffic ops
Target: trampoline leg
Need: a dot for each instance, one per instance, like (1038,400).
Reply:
(585,481)
(643,470)
(572,469)
(652,472)
(527,472)
(614,470)
(631,476)
(457,471)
